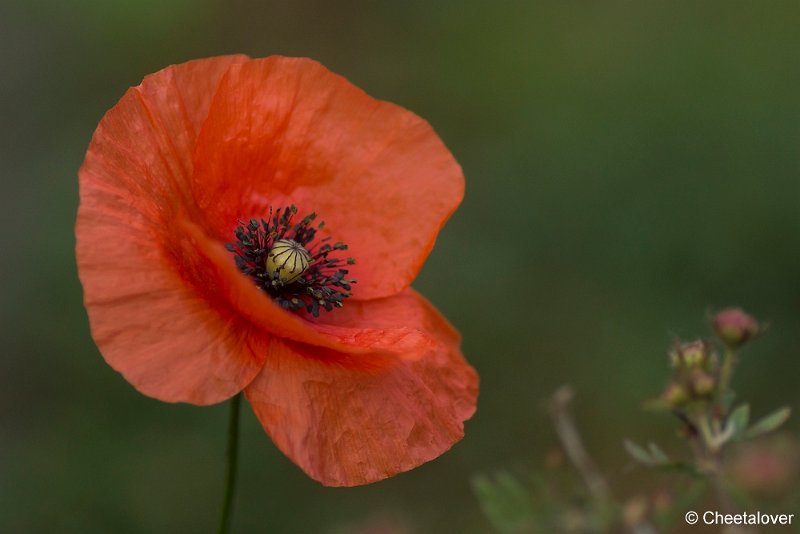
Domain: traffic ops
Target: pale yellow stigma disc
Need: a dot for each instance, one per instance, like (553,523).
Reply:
(287,260)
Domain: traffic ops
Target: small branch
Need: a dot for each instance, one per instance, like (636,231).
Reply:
(558,407)
(596,485)
(728,362)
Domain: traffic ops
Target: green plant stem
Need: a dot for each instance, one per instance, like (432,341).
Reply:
(573,446)
(706,433)
(725,377)
(726,503)
(232,459)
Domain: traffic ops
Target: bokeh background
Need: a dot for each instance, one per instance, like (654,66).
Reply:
(629,166)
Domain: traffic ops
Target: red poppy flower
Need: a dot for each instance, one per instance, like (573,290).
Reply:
(179,167)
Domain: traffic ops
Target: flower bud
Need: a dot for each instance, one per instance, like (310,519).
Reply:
(694,354)
(702,383)
(767,467)
(662,500)
(676,395)
(691,355)
(634,512)
(734,326)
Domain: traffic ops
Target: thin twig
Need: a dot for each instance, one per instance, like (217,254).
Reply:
(573,445)
(596,485)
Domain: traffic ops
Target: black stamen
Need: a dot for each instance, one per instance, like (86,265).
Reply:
(322,284)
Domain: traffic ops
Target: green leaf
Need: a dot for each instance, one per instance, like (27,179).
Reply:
(506,503)
(652,456)
(657,454)
(728,399)
(683,468)
(769,423)
(638,453)
(738,420)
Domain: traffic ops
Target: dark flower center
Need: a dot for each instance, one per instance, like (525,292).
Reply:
(280,256)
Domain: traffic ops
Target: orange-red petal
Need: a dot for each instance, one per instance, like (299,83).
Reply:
(224,284)
(139,274)
(168,307)
(348,420)
(287,130)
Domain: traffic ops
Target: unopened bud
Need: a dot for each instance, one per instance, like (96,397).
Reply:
(694,354)
(634,512)
(662,500)
(734,326)
(702,383)
(690,355)
(676,395)
(767,467)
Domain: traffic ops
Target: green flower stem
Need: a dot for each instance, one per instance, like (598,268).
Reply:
(706,433)
(726,503)
(232,459)
(729,360)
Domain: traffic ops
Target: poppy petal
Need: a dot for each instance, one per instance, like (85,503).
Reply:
(348,424)
(344,332)
(407,309)
(224,283)
(149,323)
(287,130)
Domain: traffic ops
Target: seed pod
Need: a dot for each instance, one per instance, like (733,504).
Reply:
(287,261)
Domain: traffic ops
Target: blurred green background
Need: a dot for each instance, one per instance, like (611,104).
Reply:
(629,166)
